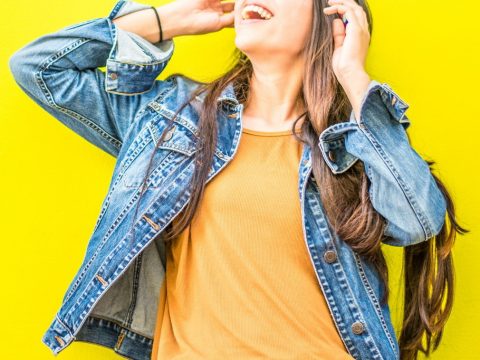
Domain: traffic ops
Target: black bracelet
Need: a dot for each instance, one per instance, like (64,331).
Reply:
(158,21)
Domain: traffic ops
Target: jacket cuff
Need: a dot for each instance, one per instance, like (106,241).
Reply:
(395,105)
(332,139)
(133,63)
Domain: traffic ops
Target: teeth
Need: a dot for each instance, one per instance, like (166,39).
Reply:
(263,12)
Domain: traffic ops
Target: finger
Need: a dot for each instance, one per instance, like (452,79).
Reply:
(352,3)
(343,10)
(338,33)
(347,8)
(349,4)
(227,6)
(227,20)
(356,8)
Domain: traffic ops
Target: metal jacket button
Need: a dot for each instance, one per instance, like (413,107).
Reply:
(358,327)
(330,256)
(113,76)
(232,115)
(331,155)
(169,134)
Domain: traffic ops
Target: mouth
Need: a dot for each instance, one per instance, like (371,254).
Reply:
(255,13)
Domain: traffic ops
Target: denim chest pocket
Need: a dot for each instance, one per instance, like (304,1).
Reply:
(169,157)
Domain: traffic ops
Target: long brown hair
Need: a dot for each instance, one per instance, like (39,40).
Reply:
(428,266)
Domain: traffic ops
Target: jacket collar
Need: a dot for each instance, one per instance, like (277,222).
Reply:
(227,95)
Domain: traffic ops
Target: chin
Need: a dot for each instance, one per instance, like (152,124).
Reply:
(248,43)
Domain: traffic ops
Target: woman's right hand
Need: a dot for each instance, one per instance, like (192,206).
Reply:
(203,16)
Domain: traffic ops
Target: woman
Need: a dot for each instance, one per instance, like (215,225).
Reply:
(283,256)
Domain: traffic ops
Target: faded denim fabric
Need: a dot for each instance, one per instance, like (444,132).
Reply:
(113,298)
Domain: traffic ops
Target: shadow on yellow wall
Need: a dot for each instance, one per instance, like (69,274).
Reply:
(50,200)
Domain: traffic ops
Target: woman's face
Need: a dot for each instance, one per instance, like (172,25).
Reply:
(285,32)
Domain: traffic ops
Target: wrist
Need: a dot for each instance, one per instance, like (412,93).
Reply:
(144,23)
(355,84)
(351,75)
(173,21)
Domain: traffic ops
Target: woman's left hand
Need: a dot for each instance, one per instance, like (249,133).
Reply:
(351,47)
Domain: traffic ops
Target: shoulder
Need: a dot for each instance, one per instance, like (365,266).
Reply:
(168,99)
(182,87)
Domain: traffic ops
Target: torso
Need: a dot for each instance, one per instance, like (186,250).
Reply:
(243,286)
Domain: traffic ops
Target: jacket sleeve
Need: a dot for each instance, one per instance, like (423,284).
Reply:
(59,71)
(402,188)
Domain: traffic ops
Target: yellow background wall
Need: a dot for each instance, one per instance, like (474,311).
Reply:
(52,182)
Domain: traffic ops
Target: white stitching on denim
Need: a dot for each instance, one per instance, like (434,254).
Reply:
(423,221)
(373,299)
(49,97)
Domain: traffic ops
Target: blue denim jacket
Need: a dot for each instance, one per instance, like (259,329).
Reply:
(113,298)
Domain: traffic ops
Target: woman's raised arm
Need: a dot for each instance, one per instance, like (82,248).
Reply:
(59,71)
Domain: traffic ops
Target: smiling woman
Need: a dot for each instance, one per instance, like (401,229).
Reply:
(245,216)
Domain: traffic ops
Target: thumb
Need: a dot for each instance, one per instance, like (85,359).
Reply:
(338,29)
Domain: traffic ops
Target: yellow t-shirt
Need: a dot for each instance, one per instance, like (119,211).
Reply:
(244,287)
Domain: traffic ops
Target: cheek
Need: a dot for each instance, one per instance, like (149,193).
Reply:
(294,28)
